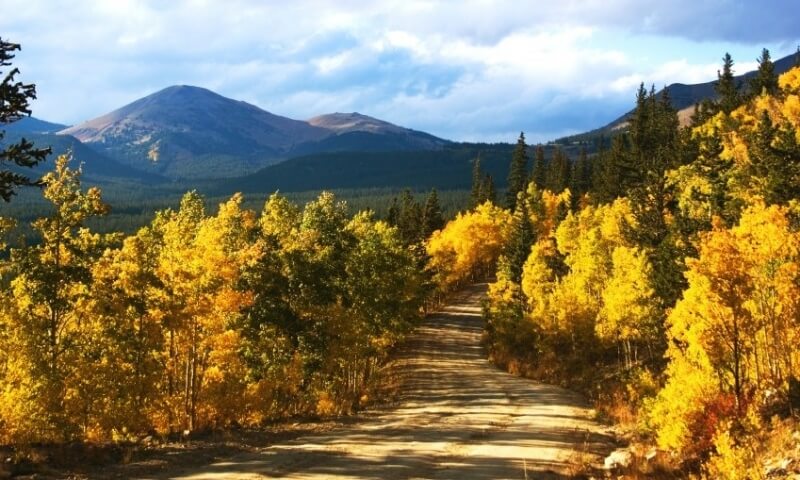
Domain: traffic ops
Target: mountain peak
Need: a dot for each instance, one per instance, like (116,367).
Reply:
(340,123)
(199,133)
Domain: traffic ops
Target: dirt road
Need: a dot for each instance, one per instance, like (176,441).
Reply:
(458,417)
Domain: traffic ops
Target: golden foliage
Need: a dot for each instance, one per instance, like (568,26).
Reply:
(469,245)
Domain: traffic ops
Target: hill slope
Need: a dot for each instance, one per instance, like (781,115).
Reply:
(447,168)
(97,168)
(32,125)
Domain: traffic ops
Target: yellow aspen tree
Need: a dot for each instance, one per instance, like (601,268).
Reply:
(126,316)
(43,396)
(628,315)
(469,245)
(728,334)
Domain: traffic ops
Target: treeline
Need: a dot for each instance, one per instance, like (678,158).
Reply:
(131,210)
(670,290)
(197,320)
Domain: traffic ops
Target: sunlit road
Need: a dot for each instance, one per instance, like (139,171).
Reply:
(458,417)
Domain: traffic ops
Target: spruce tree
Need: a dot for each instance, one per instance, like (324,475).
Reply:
(558,172)
(580,177)
(489,192)
(518,172)
(476,196)
(393,216)
(765,80)
(655,149)
(539,173)
(606,178)
(522,238)
(14,98)
(726,87)
(410,219)
(432,218)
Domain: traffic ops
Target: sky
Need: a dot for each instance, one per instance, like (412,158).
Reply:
(465,70)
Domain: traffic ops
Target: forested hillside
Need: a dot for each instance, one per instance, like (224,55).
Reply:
(669,292)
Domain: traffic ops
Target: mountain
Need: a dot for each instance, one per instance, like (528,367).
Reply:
(355,132)
(32,125)
(684,98)
(192,132)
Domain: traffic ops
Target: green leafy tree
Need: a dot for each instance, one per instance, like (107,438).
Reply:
(14,98)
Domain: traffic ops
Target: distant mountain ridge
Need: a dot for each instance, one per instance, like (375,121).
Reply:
(32,125)
(192,132)
(683,97)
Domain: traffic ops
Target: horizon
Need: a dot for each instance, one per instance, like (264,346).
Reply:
(483,75)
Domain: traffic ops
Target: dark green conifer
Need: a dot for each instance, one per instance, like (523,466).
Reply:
(14,98)
(522,238)
(765,80)
(518,172)
(410,219)
(558,171)
(580,177)
(393,216)
(726,87)
(489,192)
(539,173)
(476,196)
(432,218)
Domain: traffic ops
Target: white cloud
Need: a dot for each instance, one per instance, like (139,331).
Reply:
(472,70)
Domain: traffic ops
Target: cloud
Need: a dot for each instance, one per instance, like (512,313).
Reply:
(475,70)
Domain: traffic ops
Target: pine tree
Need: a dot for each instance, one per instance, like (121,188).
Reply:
(488,190)
(432,219)
(476,196)
(580,177)
(558,172)
(765,79)
(517,172)
(14,98)
(539,173)
(410,218)
(726,87)
(774,166)
(655,149)
(606,176)
(393,215)
(520,240)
